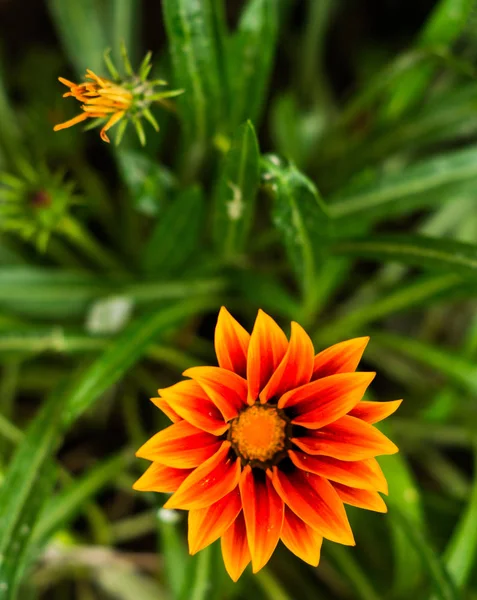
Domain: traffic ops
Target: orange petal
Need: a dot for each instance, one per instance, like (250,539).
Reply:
(159,478)
(340,358)
(362,474)
(227,390)
(66,82)
(83,116)
(301,539)
(268,345)
(180,445)
(325,400)
(112,121)
(166,409)
(207,524)
(373,412)
(263,512)
(314,501)
(210,482)
(235,548)
(347,439)
(190,402)
(295,368)
(361,498)
(231,343)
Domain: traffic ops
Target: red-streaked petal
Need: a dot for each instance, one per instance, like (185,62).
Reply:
(207,524)
(362,474)
(340,358)
(347,439)
(301,539)
(190,402)
(314,501)
(210,482)
(267,347)
(159,478)
(166,409)
(180,445)
(373,412)
(227,390)
(231,343)
(263,512)
(361,498)
(235,548)
(323,401)
(295,368)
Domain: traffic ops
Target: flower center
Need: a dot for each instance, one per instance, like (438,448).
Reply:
(258,434)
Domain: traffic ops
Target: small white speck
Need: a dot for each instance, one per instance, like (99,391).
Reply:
(168,516)
(235,206)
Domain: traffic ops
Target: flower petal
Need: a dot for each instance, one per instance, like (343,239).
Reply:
(295,368)
(207,524)
(362,474)
(166,409)
(314,501)
(347,439)
(180,445)
(373,412)
(325,400)
(268,345)
(190,402)
(227,390)
(231,343)
(301,539)
(263,512)
(210,482)
(340,358)
(235,548)
(361,498)
(160,478)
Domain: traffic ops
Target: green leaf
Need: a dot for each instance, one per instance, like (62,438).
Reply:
(443,585)
(301,216)
(447,21)
(196,57)
(149,183)
(175,239)
(426,252)
(251,52)
(461,551)
(123,18)
(235,193)
(80,26)
(69,502)
(27,483)
(461,370)
(173,548)
(411,187)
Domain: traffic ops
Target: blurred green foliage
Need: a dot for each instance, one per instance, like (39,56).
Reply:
(351,209)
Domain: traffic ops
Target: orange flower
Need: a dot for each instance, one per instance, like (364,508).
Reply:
(101,98)
(270,444)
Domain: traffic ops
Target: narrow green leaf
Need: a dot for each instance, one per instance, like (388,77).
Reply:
(251,52)
(174,550)
(420,251)
(176,236)
(68,503)
(123,17)
(407,188)
(461,551)
(461,370)
(353,572)
(301,216)
(195,49)
(443,585)
(446,22)
(149,183)
(80,26)
(235,193)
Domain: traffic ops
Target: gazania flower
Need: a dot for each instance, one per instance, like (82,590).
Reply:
(270,445)
(127,98)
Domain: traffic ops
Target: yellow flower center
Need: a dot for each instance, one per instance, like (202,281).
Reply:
(258,434)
